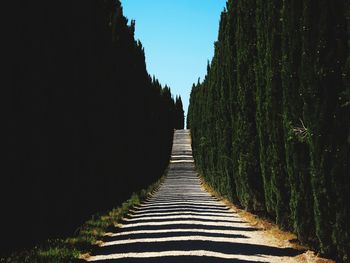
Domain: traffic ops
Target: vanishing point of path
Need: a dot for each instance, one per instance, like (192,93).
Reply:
(182,222)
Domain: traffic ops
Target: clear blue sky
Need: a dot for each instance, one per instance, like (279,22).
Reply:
(178,37)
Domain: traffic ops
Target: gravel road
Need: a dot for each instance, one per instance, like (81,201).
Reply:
(182,223)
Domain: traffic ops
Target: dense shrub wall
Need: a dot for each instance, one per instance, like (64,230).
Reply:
(86,125)
(270,123)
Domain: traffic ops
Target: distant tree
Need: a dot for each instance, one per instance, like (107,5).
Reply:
(179,121)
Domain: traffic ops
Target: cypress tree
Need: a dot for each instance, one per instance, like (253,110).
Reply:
(82,111)
(270,121)
(179,117)
(296,148)
(248,184)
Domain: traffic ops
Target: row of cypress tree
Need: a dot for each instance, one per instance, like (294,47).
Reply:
(179,114)
(270,123)
(86,125)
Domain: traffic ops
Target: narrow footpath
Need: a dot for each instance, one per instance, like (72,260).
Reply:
(182,222)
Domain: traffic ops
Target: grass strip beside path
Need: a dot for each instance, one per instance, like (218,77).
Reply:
(74,249)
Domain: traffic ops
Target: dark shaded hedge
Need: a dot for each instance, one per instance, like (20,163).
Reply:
(270,123)
(85,123)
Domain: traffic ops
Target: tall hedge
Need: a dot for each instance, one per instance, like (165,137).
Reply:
(86,125)
(296,150)
(270,123)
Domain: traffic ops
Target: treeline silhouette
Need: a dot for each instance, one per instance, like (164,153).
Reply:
(270,123)
(86,125)
(179,118)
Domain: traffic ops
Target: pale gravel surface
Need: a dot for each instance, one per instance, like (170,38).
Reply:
(182,222)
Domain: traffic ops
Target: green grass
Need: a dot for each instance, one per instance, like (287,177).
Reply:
(72,249)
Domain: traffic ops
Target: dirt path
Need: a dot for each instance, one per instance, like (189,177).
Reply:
(182,222)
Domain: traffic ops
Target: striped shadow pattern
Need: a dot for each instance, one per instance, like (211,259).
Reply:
(182,222)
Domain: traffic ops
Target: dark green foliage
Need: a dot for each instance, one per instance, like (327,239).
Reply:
(324,45)
(270,123)
(269,110)
(296,150)
(179,116)
(245,142)
(86,123)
